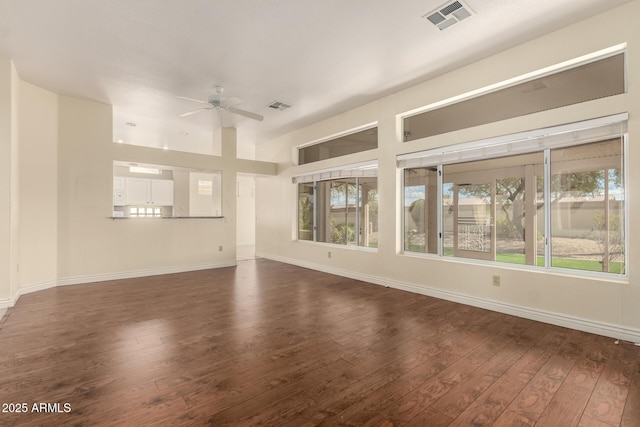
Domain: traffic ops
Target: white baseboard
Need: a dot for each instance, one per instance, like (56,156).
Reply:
(10,302)
(7,303)
(585,325)
(36,287)
(79,280)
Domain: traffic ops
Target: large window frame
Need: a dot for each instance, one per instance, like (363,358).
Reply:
(545,142)
(339,207)
(592,76)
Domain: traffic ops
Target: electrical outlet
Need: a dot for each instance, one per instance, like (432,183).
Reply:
(496,280)
(220,248)
(329,254)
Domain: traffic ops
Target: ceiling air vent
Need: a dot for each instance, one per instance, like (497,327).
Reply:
(277,105)
(448,14)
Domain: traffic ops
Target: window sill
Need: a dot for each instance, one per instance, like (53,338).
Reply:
(556,271)
(334,245)
(166,217)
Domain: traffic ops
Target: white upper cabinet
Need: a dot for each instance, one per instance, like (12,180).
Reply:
(141,191)
(138,191)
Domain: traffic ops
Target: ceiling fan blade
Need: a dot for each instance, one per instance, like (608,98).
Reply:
(193,100)
(233,101)
(188,113)
(249,114)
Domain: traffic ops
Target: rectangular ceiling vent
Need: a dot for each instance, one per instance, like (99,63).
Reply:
(277,105)
(448,14)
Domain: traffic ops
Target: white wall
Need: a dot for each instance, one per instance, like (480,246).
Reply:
(246,217)
(91,244)
(601,305)
(37,189)
(28,188)
(7,175)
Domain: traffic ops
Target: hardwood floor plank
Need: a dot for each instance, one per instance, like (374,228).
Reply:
(566,407)
(239,405)
(461,396)
(369,374)
(487,409)
(586,421)
(403,407)
(430,417)
(588,368)
(631,413)
(266,343)
(607,401)
(511,418)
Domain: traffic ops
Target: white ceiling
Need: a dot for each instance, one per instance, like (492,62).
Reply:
(323,57)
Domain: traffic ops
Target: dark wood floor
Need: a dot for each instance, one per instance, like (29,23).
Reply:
(272,344)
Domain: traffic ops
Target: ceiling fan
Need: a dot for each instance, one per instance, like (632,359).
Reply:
(217,102)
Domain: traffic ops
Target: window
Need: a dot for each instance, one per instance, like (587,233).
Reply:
(342,211)
(205,187)
(558,203)
(420,210)
(491,209)
(306,211)
(350,143)
(592,80)
(140,212)
(587,207)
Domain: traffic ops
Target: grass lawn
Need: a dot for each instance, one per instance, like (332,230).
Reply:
(576,264)
(517,259)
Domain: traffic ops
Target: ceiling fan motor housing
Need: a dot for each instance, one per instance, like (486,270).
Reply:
(216,100)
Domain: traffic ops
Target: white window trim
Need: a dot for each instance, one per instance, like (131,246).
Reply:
(518,143)
(355,170)
(338,135)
